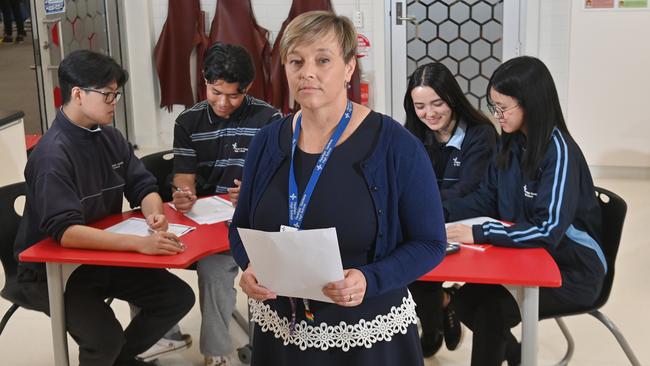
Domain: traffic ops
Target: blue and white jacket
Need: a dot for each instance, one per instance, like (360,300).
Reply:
(410,238)
(557,210)
(471,148)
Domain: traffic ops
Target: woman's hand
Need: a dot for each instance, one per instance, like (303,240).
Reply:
(248,283)
(161,243)
(460,233)
(157,222)
(349,291)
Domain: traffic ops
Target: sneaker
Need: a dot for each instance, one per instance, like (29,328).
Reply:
(19,39)
(431,344)
(216,361)
(7,39)
(134,362)
(165,347)
(451,325)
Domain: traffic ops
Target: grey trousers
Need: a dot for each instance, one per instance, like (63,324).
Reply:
(217,296)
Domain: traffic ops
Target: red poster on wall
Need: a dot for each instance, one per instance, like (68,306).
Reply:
(599,4)
(363,46)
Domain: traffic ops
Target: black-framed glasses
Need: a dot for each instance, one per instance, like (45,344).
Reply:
(498,111)
(109,97)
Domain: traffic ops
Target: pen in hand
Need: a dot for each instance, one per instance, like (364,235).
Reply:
(175,240)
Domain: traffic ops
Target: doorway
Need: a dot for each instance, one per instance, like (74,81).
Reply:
(470,37)
(18,81)
(62,26)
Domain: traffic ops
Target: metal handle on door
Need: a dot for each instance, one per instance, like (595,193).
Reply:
(399,19)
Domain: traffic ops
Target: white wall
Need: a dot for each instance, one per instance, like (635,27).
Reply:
(609,76)
(547,37)
(145,19)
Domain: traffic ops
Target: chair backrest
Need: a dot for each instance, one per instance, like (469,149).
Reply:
(161,165)
(9,221)
(613,210)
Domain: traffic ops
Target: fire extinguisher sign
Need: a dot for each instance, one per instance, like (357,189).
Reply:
(363,46)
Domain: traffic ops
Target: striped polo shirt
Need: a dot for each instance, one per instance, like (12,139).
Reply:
(214,148)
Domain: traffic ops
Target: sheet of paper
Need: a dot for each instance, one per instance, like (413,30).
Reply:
(474,221)
(139,227)
(210,210)
(295,263)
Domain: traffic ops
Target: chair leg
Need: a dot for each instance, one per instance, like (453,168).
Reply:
(619,336)
(8,315)
(569,340)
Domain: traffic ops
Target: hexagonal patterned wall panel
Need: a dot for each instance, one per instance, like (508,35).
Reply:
(464,35)
(83,26)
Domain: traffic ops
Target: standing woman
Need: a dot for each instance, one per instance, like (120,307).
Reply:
(460,141)
(541,183)
(376,188)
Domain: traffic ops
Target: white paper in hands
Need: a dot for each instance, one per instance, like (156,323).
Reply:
(295,263)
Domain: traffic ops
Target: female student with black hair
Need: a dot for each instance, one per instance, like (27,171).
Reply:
(541,183)
(460,141)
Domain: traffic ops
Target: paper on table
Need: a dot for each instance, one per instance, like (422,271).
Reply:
(210,210)
(474,221)
(139,227)
(295,263)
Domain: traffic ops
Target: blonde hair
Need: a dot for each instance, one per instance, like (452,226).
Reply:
(312,26)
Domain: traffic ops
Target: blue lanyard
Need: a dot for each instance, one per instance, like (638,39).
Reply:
(297,209)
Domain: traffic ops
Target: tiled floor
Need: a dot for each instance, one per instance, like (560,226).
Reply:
(26,340)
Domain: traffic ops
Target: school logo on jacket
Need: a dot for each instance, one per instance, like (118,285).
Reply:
(455,161)
(529,194)
(239,149)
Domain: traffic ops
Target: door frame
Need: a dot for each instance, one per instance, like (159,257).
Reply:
(395,52)
(43,63)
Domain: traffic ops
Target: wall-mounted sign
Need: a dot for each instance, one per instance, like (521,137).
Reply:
(54,7)
(363,46)
(599,4)
(616,4)
(633,4)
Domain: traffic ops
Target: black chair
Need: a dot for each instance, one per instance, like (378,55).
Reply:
(10,220)
(161,165)
(613,210)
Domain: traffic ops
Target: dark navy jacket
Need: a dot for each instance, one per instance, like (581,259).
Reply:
(557,211)
(469,152)
(410,238)
(76,176)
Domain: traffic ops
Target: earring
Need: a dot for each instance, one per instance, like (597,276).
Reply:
(347,85)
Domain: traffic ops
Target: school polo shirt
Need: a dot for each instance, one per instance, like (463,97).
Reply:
(214,148)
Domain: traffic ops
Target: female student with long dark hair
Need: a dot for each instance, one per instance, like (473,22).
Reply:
(541,183)
(460,141)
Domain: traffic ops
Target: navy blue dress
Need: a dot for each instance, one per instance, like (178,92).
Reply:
(341,199)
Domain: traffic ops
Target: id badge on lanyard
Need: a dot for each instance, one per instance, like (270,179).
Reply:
(297,208)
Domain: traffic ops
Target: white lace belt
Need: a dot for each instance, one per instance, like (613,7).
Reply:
(345,336)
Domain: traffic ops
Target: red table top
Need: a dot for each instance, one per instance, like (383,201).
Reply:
(498,265)
(205,240)
(31,140)
(495,265)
